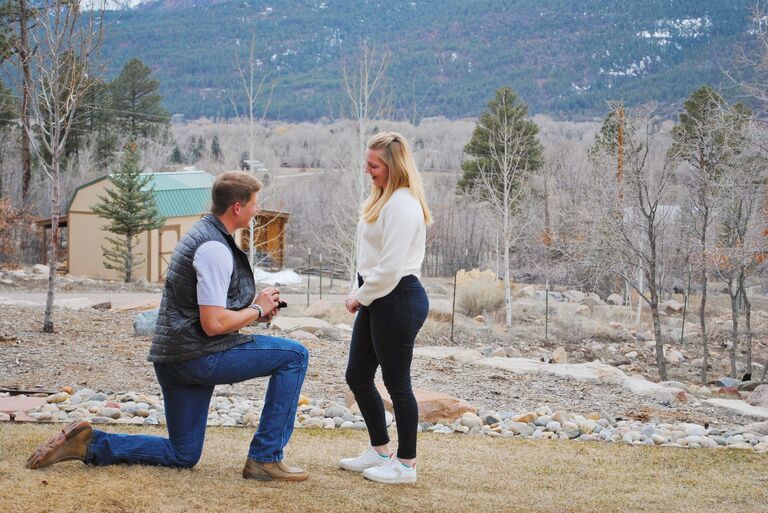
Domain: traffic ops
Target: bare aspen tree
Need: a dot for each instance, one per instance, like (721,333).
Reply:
(248,69)
(706,141)
(62,75)
(741,243)
(364,83)
(626,235)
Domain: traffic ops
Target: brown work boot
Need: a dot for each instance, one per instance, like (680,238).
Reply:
(278,471)
(70,444)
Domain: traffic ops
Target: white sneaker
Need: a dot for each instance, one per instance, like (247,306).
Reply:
(370,458)
(391,472)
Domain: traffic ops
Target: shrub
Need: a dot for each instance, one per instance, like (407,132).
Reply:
(17,233)
(478,291)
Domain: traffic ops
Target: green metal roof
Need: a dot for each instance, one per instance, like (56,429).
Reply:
(178,193)
(182,193)
(187,179)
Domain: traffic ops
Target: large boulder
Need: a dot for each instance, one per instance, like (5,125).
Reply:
(759,397)
(559,355)
(289,324)
(433,406)
(583,310)
(574,296)
(671,307)
(144,323)
(528,291)
(323,308)
(615,299)
(673,356)
(725,326)
(592,300)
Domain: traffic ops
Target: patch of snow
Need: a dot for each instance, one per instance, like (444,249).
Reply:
(285,277)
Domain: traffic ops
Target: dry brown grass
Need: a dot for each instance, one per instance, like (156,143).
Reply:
(456,474)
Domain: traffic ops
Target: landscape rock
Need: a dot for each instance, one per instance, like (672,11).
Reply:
(574,296)
(433,406)
(671,307)
(308,324)
(559,355)
(759,397)
(592,300)
(615,299)
(144,323)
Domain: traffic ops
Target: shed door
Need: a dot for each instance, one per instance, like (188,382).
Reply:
(169,235)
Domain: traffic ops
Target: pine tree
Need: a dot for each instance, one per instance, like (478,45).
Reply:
(131,209)
(176,156)
(216,153)
(503,144)
(136,102)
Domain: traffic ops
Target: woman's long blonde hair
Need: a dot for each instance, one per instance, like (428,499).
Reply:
(396,154)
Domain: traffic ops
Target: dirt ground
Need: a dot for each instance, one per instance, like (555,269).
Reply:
(97,349)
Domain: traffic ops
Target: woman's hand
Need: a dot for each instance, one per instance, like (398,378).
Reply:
(351,304)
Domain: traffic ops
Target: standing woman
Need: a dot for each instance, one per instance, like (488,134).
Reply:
(391,306)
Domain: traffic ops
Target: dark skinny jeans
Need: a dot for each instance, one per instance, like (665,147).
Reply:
(384,335)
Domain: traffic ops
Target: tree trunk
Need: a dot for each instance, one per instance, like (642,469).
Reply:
(747,320)
(128,259)
(53,244)
(507,284)
(733,295)
(26,93)
(660,362)
(703,303)
(653,281)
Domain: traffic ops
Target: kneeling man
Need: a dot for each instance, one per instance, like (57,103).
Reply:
(209,295)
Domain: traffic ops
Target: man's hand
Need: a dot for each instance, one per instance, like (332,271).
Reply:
(268,299)
(217,320)
(351,304)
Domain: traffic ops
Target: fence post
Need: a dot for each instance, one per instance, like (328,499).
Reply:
(309,271)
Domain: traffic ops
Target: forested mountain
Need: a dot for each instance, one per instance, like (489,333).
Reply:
(563,57)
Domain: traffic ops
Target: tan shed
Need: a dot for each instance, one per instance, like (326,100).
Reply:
(183,197)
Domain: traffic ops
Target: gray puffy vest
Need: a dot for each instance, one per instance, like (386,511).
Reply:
(179,335)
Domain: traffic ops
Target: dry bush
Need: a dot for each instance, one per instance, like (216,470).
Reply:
(17,233)
(478,291)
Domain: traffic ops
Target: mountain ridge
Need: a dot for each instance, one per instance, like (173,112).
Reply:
(565,59)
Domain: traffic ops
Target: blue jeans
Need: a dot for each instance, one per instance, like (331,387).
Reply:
(187,389)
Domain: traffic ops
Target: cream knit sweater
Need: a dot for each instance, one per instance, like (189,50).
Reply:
(391,247)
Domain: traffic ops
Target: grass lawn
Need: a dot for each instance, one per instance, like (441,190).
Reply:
(456,473)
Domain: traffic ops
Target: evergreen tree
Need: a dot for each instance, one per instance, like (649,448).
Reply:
(216,153)
(176,156)
(136,102)
(502,130)
(195,148)
(131,209)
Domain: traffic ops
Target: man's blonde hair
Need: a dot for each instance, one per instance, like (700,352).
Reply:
(394,151)
(232,187)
